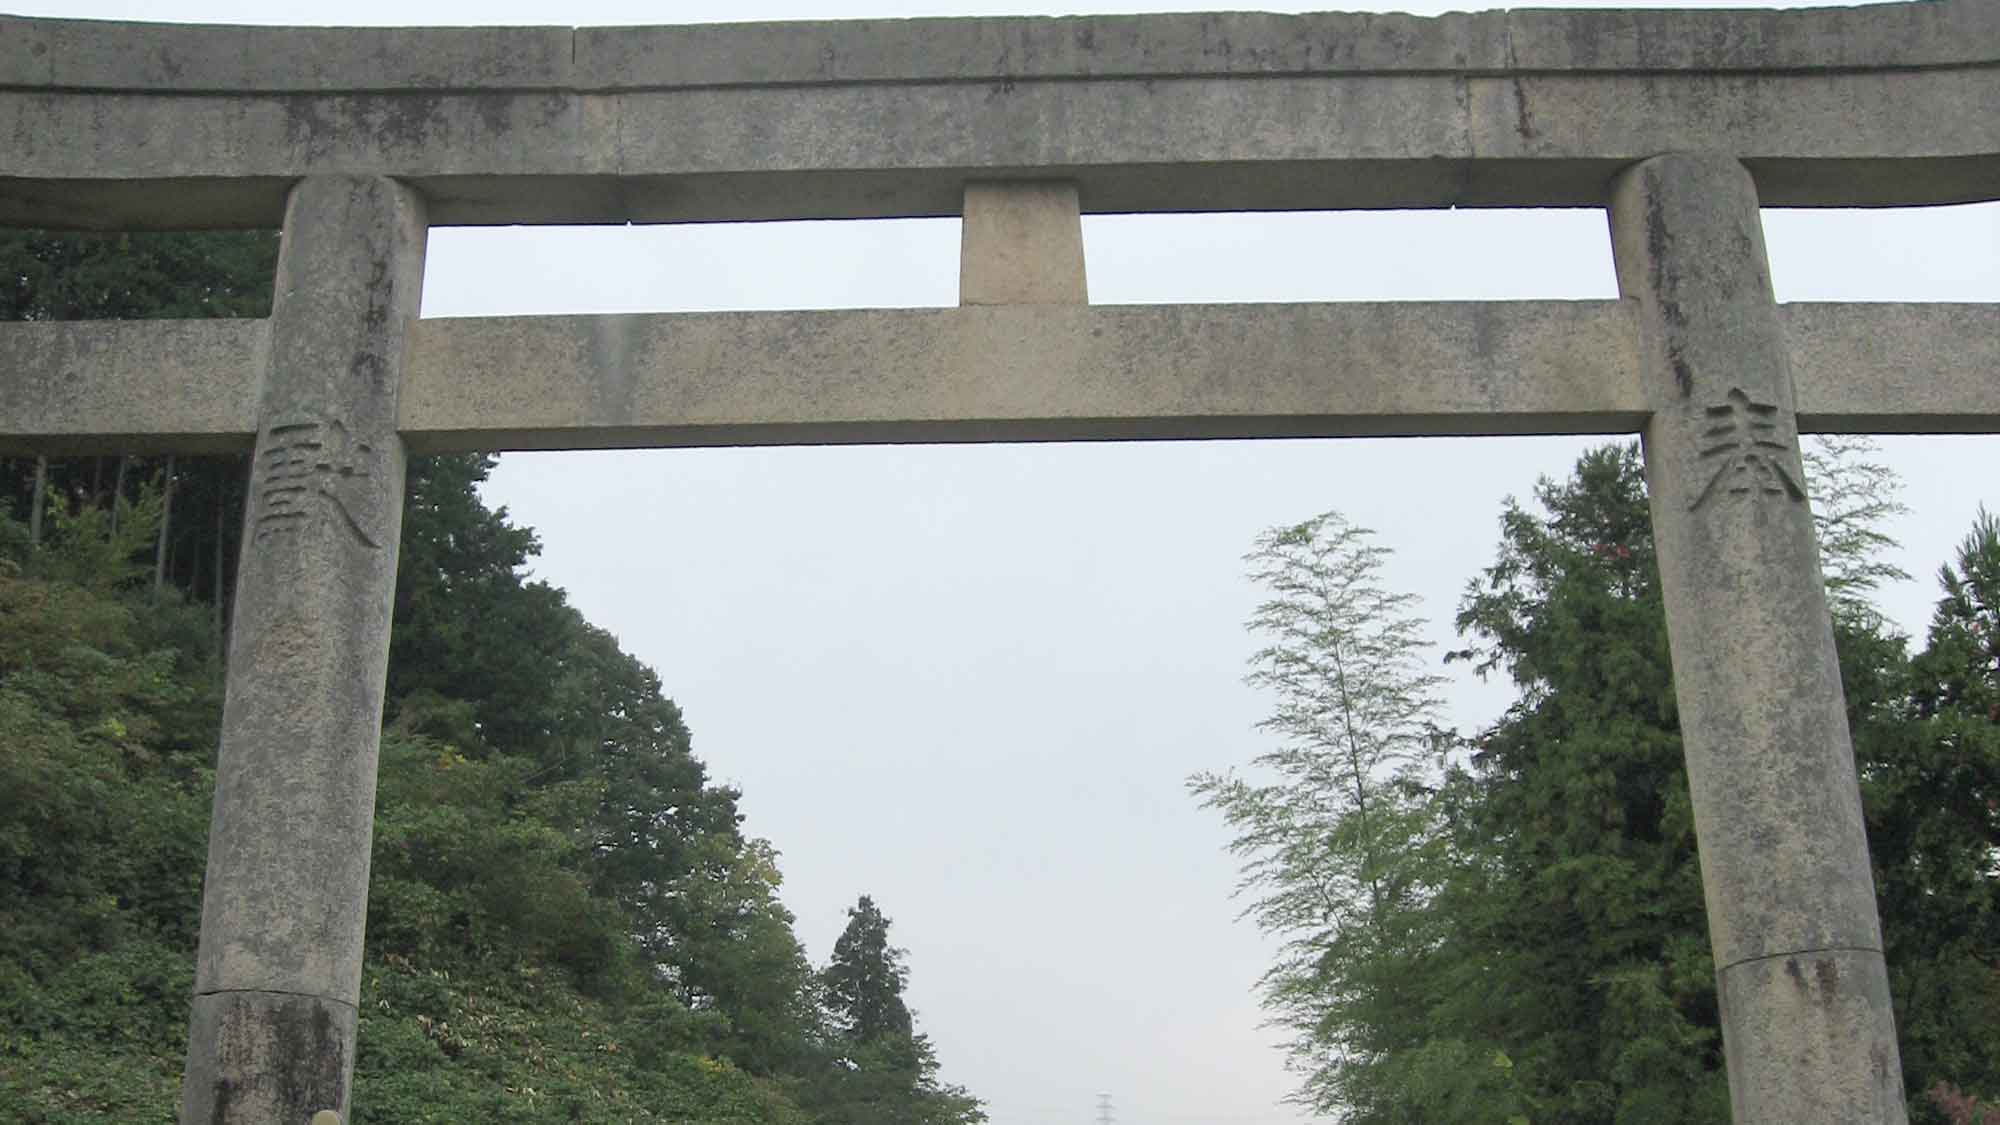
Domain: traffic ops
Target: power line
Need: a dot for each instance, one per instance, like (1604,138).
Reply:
(1104,1109)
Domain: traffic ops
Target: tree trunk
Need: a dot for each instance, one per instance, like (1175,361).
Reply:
(117,493)
(35,502)
(166,522)
(221,511)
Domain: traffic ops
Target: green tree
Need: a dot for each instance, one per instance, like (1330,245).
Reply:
(876,1069)
(1566,975)
(1337,833)
(55,275)
(1853,496)
(1582,896)
(864,982)
(729,949)
(60,275)
(1931,787)
(467,626)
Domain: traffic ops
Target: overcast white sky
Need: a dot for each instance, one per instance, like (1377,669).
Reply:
(971,680)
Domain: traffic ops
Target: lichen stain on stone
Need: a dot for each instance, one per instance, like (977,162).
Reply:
(225,1092)
(311,1055)
(406,118)
(294,1041)
(1823,987)
(368,364)
(1524,117)
(308,126)
(1666,286)
(495,113)
(170,65)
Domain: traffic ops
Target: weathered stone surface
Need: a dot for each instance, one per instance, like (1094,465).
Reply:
(1945,33)
(1885,104)
(286,895)
(1021,243)
(1131,46)
(274,1056)
(1824,1020)
(109,55)
(132,386)
(1884,368)
(889,374)
(196,59)
(1022,373)
(1784,855)
(1773,119)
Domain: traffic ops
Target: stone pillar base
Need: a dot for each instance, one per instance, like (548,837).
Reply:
(274,1057)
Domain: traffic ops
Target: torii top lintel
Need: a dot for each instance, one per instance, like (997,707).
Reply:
(1883,105)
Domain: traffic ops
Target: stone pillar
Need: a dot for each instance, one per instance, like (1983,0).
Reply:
(1806,1021)
(1021,244)
(278,974)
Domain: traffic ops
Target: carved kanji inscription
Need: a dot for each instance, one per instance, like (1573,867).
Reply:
(1744,451)
(314,470)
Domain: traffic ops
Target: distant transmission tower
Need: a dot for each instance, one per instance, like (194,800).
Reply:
(1104,1110)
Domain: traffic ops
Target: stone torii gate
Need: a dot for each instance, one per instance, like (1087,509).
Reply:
(1679,124)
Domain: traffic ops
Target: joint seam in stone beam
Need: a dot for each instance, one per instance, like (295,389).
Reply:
(200,992)
(1876,950)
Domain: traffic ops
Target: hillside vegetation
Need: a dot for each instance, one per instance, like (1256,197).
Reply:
(566,921)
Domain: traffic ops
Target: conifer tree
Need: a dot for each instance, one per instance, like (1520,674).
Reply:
(878,1070)
(1931,788)
(864,981)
